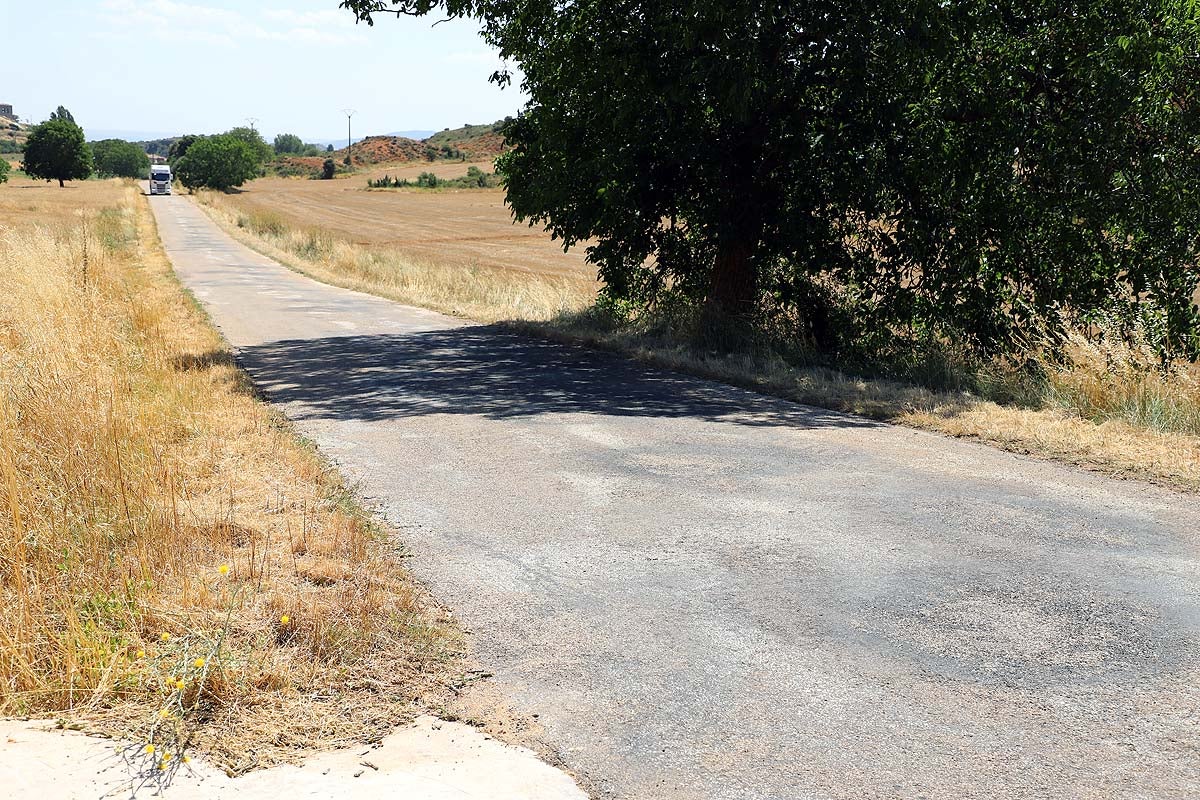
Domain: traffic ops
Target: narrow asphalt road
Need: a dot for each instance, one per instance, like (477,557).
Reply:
(705,593)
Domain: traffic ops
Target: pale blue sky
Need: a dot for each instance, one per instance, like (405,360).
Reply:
(203,66)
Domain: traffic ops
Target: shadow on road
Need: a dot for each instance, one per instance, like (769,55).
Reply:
(488,371)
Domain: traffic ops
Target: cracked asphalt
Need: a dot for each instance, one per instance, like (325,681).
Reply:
(707,593)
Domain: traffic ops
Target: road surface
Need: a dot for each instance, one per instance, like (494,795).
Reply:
(705,593)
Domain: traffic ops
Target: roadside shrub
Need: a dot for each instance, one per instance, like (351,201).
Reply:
(328,169)
(3,171)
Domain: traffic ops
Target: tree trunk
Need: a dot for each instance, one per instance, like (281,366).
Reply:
(733,288)
(60,183)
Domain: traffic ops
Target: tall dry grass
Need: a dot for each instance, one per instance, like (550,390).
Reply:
(136,464)
(459,289)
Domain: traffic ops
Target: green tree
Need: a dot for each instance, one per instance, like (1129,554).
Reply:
(288,143)
(3,170)
(263,152)
(217,162)
(328,169)
(977,170)
(120,159)
(61,113)
(179,148)
(56,150)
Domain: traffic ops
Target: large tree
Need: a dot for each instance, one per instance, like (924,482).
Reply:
(973,169)
(56,150)
(217,162)
(120,159)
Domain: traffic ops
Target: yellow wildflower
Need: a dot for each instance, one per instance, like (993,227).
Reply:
(150,749)
(285,619)
(223,569)
(179,684)
(198,663)
(165,637)
(141,653)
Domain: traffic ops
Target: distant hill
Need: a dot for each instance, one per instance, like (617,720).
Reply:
(468,143)
(12,135)
(473,141)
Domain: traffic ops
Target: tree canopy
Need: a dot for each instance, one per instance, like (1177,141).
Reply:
(263,152)
(116,158)
(62,113)
(217,162)
(3,170)
(179,148)
(56,150)
(288,143)
(978,170)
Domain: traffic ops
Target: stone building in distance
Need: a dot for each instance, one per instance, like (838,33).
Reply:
(6,111)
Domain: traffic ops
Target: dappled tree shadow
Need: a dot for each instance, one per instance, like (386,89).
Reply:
(489,371)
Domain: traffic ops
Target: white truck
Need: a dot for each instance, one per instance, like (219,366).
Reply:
(160,179)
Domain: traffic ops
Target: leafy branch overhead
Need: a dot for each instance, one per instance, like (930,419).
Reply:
(910,168)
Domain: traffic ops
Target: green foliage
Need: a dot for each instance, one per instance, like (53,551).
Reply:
(474,179)
(328,148)
(56,150)
(158,147)
(263,152)
(328,169)
(9,146)
(218,162)
(120,159)
(288,143)
(61,113)
(178,148)
(871,174)
(3,171)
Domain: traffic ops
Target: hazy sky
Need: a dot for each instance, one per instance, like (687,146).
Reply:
(204,66)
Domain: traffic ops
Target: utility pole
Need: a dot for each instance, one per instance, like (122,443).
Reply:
(349,112)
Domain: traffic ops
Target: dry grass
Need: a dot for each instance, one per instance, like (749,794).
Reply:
(134,463)
(463,289)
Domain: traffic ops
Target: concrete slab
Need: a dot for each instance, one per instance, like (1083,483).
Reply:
(428,760)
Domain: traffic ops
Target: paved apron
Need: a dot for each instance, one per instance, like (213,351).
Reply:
(705,593)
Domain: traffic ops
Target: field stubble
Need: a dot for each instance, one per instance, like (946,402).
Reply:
(152,509)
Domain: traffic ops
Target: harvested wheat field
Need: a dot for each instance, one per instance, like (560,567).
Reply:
(468,227)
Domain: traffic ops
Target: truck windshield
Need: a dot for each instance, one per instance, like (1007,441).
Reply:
(160,176)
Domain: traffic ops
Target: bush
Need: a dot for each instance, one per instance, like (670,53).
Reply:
(218,162)
(328,169)
(474,179)
(3,171)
